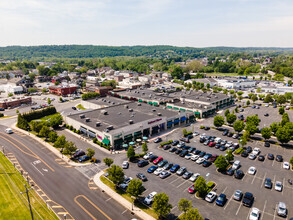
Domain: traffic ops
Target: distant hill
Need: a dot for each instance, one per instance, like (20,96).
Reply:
(90,51)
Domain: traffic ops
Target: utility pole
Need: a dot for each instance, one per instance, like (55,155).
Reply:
(28,199)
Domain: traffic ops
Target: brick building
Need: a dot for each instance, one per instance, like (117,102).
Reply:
(61,90)
(14,102)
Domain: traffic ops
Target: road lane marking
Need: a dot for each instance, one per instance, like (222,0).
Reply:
(37,169)
(109,199)
(124,211)
(84,209)
(56,206)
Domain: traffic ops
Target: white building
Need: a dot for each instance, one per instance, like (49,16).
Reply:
(11,88)
(236,83)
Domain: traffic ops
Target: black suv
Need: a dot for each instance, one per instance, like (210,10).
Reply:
(248,199)
(142,163)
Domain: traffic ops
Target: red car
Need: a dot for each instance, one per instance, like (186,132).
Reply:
(213,158)
(158,160)
(212,144)
(191,189)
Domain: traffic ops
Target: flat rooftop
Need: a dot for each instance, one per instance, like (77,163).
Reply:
(208,96)
(119,116)
(11,99)
(108,100)
(193,105)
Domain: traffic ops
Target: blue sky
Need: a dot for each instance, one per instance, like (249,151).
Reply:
(195,23)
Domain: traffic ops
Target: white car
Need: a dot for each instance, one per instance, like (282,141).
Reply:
(158,171)
(194,177)
(147,156)
(254,214)
(195,133)
(194,157)
(188,156)
(211,196)
(202,135)
(149,199)
(278,186)
(286,165)
(125,165)
(252,156)
(200,160)
(236,165)
(251,170)
(267,105)
(256,151)
(8,131)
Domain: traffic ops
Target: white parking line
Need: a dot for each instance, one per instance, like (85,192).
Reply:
(228,202)
(263,211)
(175,180)
(253,179)
(249,213)
(244,176)
(182,183)
(273,162)
(108,199)
(275,212)
(283,186)
(224,190)
(173,208)
(124,211)
(263,180)
(238,208)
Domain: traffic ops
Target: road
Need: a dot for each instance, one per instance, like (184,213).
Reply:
(63,184)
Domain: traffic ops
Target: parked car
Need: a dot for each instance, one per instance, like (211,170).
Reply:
(181,144)
(238,195)
(244,154)
(286,165)
(225,132)
(249,149)
(174,168)
(152,158)
(261,158)
(173,150)
(162,163)
(194,177)
(211,196)
(185,139)
(271,156)
(188,156)
(236,164)
(166,147)
(254,214)
(251,170)
(174,143)
(206,128)
(194,157)
(142,163)
(230,171)
(223,148)
(206,163)
(248,199)
(235,136)
(200,160)
(181,171)
(84,158)
(279,158)
(125,183)
(195,133)
(158,171)
(221,200)
(201,154)
(268,183)
(152,169)
(157,140)
(267,144)
(147,156)
(158,160)
(125,165)
(187,175)
(282,209)
(252,156)
(238,174)
(168,166)
(164,174)
(256,151)
(183,153)
(279,186)
(191,189)
(142,177)
(78,153)
(149,199)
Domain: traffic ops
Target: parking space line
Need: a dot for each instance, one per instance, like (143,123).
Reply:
(173,208)
(275,212)
(273,162)
(263,180)
(175,180)
(244,176)
(182,183)
(124,211)
(248,213)
(228,202)
(283,186)
(253,179)
(238,208)
(224,190)
(263,211)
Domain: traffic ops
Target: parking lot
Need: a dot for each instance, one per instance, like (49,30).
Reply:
(265,199)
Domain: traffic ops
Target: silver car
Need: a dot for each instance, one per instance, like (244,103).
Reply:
(238,195)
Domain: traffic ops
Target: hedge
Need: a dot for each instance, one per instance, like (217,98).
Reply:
(1,115)
(90,95)
(202,127)
(188,133)
(239,151)
(165,143)
(210,184)
(32,115)
(95,140)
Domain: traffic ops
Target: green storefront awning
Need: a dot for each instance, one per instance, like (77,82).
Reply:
(168,106)
(175,108)
(182,109)
(140,100)
(196,113)
(154,103)
(150,103)
(106,141)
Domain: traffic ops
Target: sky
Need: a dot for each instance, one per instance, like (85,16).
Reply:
(194,23)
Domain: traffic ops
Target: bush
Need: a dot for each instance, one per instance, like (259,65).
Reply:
(202,127)
(210,184)
(239,150)
(1,115)
(165,143)
(90,95)
(94,160)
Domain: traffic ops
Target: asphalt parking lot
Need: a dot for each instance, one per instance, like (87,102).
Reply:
(265,199)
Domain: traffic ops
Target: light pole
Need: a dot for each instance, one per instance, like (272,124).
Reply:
(132,199)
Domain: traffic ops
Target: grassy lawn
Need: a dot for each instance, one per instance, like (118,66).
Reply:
(80,107)
(47,118)
(13,205)
(127,196)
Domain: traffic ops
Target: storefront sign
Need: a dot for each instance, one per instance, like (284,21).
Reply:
(151,122)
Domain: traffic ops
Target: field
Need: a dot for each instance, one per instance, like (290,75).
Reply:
(13,204)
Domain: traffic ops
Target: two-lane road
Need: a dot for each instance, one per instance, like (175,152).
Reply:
(62,183)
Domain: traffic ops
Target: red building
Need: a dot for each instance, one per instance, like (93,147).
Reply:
(14,102)
(62,90)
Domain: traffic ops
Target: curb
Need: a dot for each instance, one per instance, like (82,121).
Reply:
(119,198)
(50,147)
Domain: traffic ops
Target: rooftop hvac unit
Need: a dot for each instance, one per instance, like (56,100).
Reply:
(125,106)
(98,124)
(82,116)
(87,120)
(200,105)
(130,110)
(110,127)
(208,99)
(113,103)
(138,104)
(104,112)
(205,107)
(130,121)
(119,113)
(159,114)
(154,110)
(142,93)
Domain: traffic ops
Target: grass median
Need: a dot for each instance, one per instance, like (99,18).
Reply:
(13,204)
(127,196)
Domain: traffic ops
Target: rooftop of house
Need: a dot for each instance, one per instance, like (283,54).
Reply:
(120,116)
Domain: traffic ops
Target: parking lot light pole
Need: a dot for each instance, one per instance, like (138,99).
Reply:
(132,199)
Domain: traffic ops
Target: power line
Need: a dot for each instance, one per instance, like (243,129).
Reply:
(28,199)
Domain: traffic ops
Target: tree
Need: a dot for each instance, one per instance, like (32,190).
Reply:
(274,127)
(231,118)
(283,135)
(247,102)
(239,126)
(60,99)
(219,120)
(221,163)
(144,147)
(243,140)
(281,110)
(285,119)
(60,142)
(281,99)
(266,133)
(161,205)
(251,128)
(184,205)
(291,102)
(55,121)
(22,123)
(184,131)
(201,186)
(229,156)
(44,132)
(291,161)
(135,187)
(227,112)
(253,120)
(49,101)
(254,97)
(268,98)
(130,152)
(108,161)
(52,136)
(191,214)
(69,148)
(90,152)
(116,174)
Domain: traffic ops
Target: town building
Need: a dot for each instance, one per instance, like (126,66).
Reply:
(103,102)
(62,90)
(14,102)
(102,90)
(11,88)
(233,83)
(211,81)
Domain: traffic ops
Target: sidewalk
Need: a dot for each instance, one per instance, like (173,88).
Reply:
(49,146)
(141,214)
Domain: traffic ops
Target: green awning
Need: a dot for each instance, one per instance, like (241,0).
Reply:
(168,106)
(140,100)
(175,108)
(150,103)
(182,109)
(189,110)
(154,103)
(106,141)
(196,113)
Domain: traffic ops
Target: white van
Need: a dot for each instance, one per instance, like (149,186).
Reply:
(8,131)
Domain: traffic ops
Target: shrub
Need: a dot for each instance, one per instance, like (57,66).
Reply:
(94,160)
(239,150)
(188,133)
(32,115)
(210,184)
(165,143)
(1,115)
(71,127)
(90,95)
(202,127)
